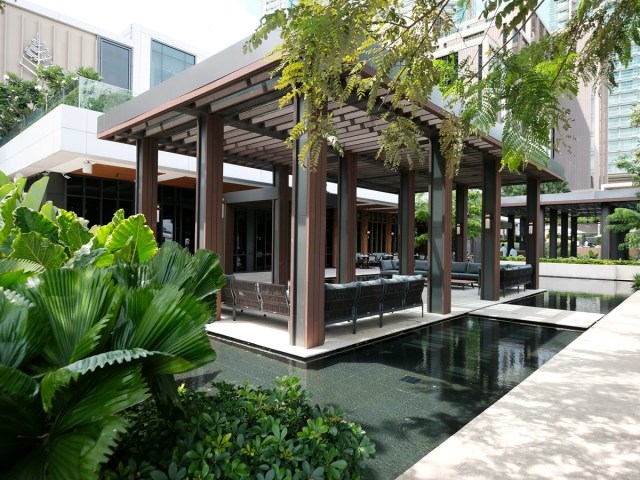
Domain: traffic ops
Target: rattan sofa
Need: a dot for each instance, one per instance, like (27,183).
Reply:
(349,302)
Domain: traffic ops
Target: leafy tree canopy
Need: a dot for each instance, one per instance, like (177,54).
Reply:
(329,46)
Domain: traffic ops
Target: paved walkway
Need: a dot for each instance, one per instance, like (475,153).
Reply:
(577,417)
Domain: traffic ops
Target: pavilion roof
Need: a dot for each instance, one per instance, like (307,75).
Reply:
(241,89)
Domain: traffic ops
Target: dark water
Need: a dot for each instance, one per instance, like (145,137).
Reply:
(412,392)
(575,302)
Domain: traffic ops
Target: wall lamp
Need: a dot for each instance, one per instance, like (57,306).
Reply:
(458,229)
(487,221)
(530,228)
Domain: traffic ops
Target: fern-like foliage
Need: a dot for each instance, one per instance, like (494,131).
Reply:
(381,53)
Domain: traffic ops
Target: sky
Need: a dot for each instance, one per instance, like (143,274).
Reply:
(210,25)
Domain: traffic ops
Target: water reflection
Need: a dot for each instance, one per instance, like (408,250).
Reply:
(571,301)
(413,392)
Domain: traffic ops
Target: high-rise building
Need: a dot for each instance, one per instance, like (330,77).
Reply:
(560,11)
(271,6)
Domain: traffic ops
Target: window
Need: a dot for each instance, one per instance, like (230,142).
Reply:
(114,63)
(167,61)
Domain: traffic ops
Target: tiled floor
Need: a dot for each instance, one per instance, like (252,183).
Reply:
(271,332)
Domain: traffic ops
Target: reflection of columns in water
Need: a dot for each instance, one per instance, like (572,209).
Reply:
(563,301)
(489,337)
(573,301)
(553,299)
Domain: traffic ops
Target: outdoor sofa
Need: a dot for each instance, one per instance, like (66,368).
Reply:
(465,271)
(351,301)
(388,268)
(515,276)
(247,295)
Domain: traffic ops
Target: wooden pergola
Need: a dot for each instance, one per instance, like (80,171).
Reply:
(225,109)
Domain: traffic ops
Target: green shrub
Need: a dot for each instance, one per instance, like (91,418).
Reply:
(242,432)
(636,282)
(589,261)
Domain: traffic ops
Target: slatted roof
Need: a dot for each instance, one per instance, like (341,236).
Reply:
(578,203)
(241,89)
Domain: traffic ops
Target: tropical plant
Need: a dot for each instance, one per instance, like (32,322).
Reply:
(329,46)
(91,323)
(242,432)
(636,282)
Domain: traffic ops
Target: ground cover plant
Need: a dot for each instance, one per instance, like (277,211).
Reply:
(242,432)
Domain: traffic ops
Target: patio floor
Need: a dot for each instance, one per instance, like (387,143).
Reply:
(271,332)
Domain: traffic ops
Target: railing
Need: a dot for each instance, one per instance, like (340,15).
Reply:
(83,93)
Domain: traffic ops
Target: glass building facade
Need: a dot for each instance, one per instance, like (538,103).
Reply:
(114,63)
(623,140)
(168,61)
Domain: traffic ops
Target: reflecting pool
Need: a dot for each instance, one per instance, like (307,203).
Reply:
(572,301)
(412,392)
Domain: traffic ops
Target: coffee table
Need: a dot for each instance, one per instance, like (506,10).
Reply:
(462,283)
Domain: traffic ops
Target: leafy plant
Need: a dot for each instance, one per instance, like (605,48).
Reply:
(636,282)
(242,432)
(380,55)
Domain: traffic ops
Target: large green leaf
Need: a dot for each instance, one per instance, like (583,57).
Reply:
(99,396)
(35,195)
(49,211)
(55,380)
(8,205)
(133,232)
(4,179)
(23,330)
(77,454)
(28,220)
(73,302)
(14,271)
(21,424)
(73,231)
(165,320)
(32,246)
(16,383)
(172,265)
(208,278)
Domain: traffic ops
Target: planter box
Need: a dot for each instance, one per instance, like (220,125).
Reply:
(591,272)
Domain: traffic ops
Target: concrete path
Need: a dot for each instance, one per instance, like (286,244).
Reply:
(575,418)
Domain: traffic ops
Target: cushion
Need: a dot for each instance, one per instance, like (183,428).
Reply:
(370,282)
(406,278)
(421,265)
(396,264)
(458,267)
(473,268)
(386,265)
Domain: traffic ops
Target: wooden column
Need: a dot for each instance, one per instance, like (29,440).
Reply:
(533,244)
(347,203)
(281,263)
(306,322)
(229,223)
(407,221)
(553,233)
(511,232)
(209,182)
(147,181)
(564,234)
(388,228)
(364,228)
(490,269)
(462,210)
(607,244)
(439,288)
(573,246)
